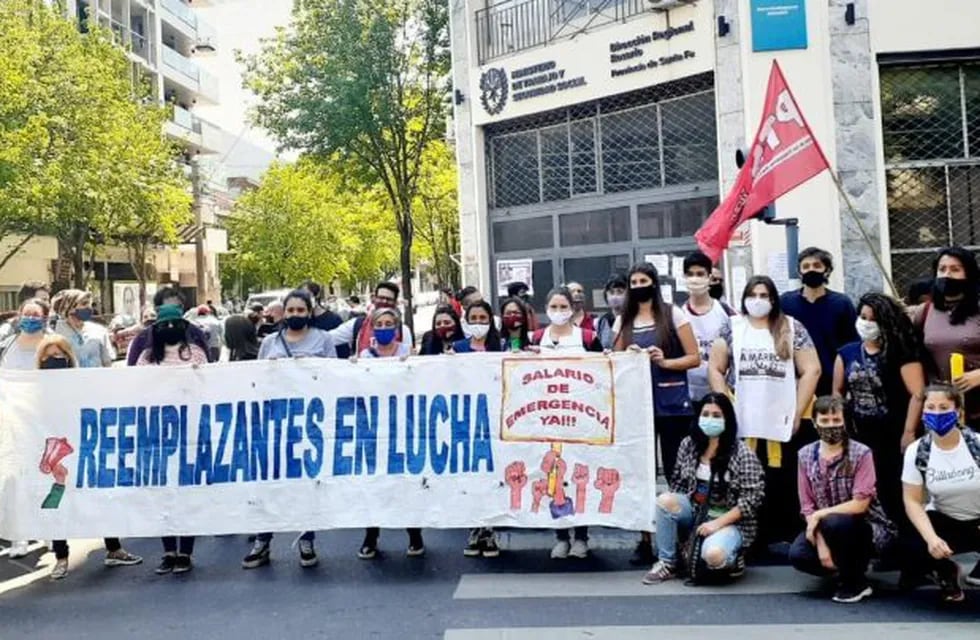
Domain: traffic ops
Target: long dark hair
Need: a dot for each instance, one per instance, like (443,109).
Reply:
(663,316)
(493,336)
(432,342)
(727,441)
(522,331)
(968,306)
(778,322)
(158,350)
(899,340)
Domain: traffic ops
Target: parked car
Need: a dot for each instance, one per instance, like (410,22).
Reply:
(266,297)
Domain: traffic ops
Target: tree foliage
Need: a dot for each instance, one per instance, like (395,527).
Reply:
(436,218)
(82,152)
(305,222)
(364,81)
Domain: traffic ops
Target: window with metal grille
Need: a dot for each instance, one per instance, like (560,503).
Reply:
(931,130)
(660,136)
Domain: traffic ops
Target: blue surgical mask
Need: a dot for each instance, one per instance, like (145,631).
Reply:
(711,427)
(941,423)
(385,336)
(84,314)
(31,325)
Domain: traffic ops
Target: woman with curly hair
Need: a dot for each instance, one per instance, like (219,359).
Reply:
(881,379)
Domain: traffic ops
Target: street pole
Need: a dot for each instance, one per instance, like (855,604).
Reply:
(198,207)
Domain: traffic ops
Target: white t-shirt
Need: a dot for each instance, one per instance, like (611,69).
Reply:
(952,480)
(707,327)
(572,343)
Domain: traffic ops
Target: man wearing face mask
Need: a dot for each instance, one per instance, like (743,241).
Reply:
(829,316)
(615,294)
(90,341)
(716,284)
(709,318)
(580,317)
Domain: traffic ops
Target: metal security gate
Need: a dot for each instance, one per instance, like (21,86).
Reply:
(931,129)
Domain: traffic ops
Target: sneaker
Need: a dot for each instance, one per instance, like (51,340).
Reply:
(852,594)
(369,550)
(182,564)
(307,554)
(642,555)
(18,549)
(474,544)
(949,583)
(60,571)
(738,569)
(166,565)
(258,556)
(580,549)
(560,550)
(121,558)
(973,578)
(659,572)
(416,548)
(490,548)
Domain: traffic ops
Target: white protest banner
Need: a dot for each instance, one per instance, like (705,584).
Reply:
(445,441)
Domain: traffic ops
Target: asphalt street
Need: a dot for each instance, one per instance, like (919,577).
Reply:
(522,594)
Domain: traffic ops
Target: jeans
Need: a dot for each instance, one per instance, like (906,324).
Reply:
(581,533)
(671,527)
(267,537)
(960,535)
(184,545)
(850,543)
(60,547)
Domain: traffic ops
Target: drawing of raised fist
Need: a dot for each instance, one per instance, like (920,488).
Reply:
(538,490)
(516,477)
(580,478)
(607,481)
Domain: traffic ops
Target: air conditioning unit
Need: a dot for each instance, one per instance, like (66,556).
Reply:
(667,5)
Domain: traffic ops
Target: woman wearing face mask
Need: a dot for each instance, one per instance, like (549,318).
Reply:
(515,319)
(664,332)
(941,480)
(55,352)
(562,334)
(580,317)
(385,323)
(479,328)
(845,523)
(881,380)
(950,324)
(297,339)
(90,340)
(615,294)
(718,478)
(446,329)
(772,366)
(170,347)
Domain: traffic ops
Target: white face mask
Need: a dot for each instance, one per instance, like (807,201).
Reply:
(758,307)
(867,330)
(697,284)
(478,331)
(559,317)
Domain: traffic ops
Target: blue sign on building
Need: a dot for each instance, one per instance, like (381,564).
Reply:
(778,25)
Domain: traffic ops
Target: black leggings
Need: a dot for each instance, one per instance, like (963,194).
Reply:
(850,541)
(184,545)
(60,547)
(960,535)
(371,535)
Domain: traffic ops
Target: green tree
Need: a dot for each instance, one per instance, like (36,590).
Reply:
(85,158)
(365,81)
(436,218)
(305,221)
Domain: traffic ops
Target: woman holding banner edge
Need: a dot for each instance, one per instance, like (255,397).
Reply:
(296,339)
(650,324)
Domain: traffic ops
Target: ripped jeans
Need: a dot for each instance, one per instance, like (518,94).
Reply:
(672,526)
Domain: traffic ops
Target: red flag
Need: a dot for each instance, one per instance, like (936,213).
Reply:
(783,156)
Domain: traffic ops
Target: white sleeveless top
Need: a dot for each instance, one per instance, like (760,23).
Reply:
(765,386)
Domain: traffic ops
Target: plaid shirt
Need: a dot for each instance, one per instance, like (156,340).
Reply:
(743,485)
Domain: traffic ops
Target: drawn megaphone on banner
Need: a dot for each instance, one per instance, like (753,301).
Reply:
(55,450)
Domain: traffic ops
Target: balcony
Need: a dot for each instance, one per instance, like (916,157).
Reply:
(183,71)
(516,25)
(180,12)
(190,130)
(180,21)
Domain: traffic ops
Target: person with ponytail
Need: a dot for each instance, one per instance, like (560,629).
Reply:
(950,324)
(718,478)
(662,331)
(845,523)
(881,379)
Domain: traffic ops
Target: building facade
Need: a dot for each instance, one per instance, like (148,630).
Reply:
(592,134)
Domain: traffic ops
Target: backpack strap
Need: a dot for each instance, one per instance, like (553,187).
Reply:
(922,455)
(972,443)
(588,339)
(537,336)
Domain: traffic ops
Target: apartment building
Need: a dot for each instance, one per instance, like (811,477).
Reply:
(592,134)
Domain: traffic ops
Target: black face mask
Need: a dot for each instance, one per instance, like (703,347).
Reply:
(948,288)
(171,335)
(56,362)
(716,291)
(642,294)
(297,323)
(814,279)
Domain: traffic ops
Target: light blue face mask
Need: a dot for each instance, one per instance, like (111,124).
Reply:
(711,427)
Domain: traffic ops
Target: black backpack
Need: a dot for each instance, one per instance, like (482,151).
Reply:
(925,448)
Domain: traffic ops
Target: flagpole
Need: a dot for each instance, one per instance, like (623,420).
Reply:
(864,232)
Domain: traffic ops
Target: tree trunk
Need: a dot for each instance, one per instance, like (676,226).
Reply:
(406,232)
